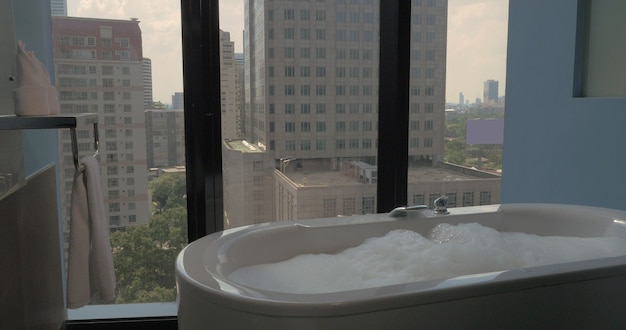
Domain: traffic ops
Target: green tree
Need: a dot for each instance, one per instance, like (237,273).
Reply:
(168,190)
(144,255)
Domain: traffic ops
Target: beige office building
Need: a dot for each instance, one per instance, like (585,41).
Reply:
(165,138)
(311,103)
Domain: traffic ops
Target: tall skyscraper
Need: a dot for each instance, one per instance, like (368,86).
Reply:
(165,138)
(98,65)
(311,79)
(230,88)
(490,94)
(58,7)
(178,101)
(311,104)
(461,98)
(147,82)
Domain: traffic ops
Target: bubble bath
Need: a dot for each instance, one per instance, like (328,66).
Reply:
(404,256)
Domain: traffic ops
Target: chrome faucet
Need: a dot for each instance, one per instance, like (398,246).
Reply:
(402,211)
(440,206)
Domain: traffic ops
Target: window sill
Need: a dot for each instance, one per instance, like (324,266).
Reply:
(123,311)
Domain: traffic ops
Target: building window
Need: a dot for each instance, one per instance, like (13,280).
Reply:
(330,207)
(305,145)
(368,206)
(485,197)
(418,199)
(468,198)
(451,199)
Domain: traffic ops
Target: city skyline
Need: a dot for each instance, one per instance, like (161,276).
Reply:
(477,31)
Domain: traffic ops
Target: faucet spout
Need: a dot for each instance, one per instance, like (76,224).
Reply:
(403,210)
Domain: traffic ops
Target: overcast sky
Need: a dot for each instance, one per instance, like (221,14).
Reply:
(477,32)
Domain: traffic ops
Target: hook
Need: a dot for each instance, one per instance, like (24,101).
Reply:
(96,144)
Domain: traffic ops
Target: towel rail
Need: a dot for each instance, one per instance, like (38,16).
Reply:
(11,122)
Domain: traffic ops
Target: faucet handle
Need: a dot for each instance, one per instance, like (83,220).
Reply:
(441,205)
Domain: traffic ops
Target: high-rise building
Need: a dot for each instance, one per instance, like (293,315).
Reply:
(58,7)
(311,79)
(178,101)
(311,99)
(461,98)
(230,89)
(98,65)
(165,138)
(147,82)
(490,94)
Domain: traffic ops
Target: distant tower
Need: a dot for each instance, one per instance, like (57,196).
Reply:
(490,94)
(178,101)
(58,7)
(461,98)
(147,83)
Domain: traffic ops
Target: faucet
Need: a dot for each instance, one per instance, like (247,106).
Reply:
(402,211)
(440,206)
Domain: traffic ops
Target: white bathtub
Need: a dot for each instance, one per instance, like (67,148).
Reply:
(583,294)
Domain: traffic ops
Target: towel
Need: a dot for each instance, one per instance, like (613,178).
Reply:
(90,261)
(34,95)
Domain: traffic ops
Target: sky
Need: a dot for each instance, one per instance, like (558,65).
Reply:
(477,34)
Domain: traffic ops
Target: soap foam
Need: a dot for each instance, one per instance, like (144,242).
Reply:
(404,256)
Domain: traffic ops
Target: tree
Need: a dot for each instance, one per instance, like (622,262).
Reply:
(168,190)
(144,255)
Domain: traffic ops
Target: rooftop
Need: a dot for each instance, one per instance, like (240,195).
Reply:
(416,174)
(242,146)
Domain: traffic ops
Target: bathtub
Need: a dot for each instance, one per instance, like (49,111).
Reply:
(582,294)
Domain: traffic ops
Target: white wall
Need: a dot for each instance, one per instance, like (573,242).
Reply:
(557,148)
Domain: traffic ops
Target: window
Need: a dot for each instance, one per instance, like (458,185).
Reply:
(289,14)
(368,206)
(289,33)
(274,143)
(468,198)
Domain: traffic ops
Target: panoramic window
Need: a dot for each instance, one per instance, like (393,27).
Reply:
(299,111)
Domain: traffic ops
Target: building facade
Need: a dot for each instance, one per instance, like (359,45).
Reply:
(165,138)
(148,99)
(230,89)
(490,93)
(58,7)
(311,79)
(99,69)
(178,101)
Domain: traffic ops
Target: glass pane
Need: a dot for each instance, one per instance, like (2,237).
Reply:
(458,51)
(301,109)
(123,62)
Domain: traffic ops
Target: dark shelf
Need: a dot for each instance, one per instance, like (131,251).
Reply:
(12,122)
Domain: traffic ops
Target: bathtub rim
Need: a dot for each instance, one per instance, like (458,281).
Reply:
(256,301)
